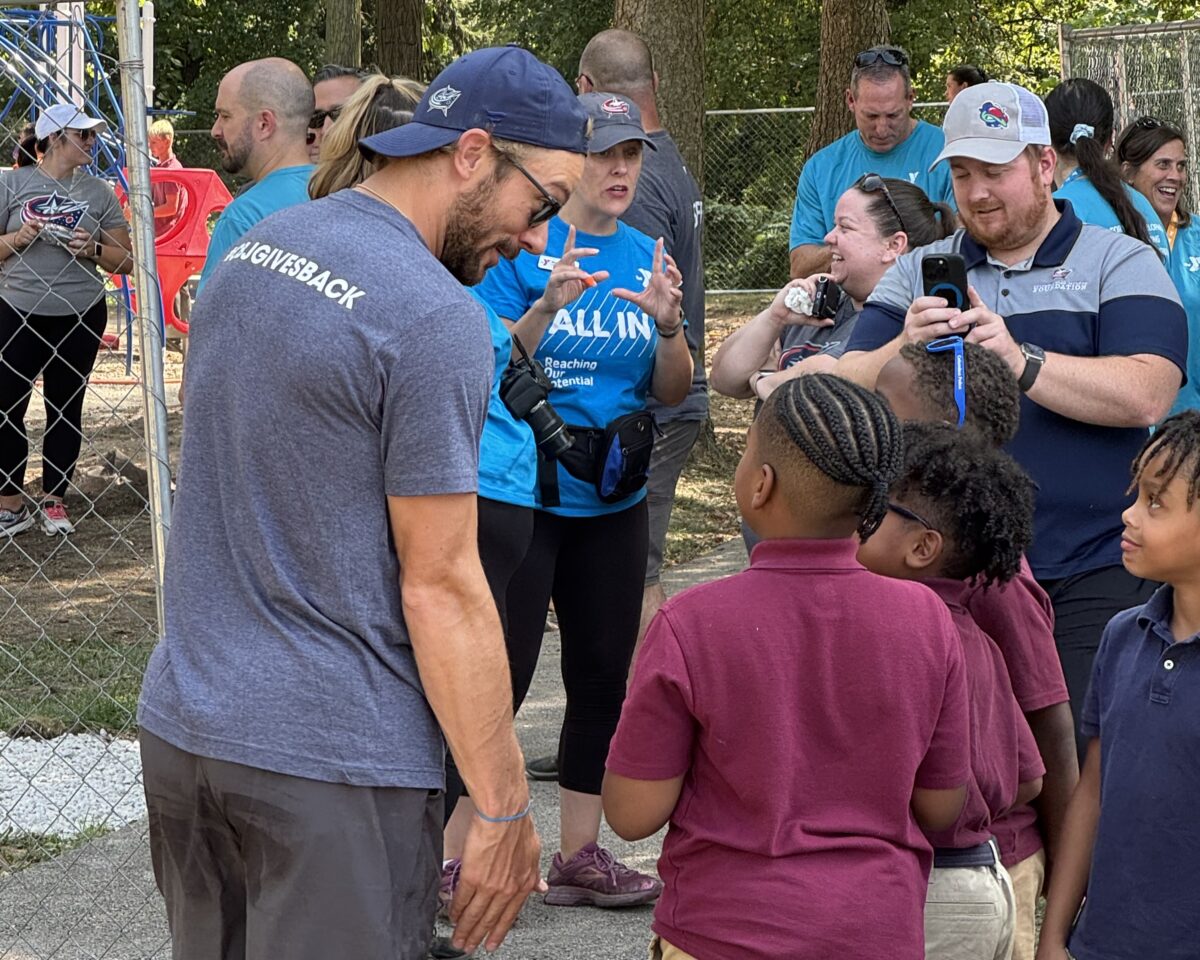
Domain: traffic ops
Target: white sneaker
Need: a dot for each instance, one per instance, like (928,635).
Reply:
(13,522)
(55,519)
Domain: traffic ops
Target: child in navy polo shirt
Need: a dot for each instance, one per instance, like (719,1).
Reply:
(1018,615)
(961,513)
(1131,842)
(770,720)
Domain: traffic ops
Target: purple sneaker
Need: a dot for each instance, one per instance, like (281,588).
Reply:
(594,877)
(447,886)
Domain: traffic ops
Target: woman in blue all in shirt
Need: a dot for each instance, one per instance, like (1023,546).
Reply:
(607,338)
(1153,157)
(1081,128)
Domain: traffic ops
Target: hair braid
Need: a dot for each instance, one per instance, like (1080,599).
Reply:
(1178,441)
(846,432)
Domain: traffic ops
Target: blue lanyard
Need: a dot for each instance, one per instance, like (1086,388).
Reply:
(954,345)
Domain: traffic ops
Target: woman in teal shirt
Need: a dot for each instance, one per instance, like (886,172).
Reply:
(1153,158)
(1081,128)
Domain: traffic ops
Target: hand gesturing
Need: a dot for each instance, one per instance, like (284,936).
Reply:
(663,296)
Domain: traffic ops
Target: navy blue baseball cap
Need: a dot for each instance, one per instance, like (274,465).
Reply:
(504,90)
(614,120)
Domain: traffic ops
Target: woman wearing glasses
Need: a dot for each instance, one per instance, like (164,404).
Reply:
(609,333)
(1154,160)
(875,221)
(63,231)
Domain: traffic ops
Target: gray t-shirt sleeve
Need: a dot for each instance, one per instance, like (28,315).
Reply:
(432,413)
(112,217)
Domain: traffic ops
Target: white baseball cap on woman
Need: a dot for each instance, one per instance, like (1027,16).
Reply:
(65,116)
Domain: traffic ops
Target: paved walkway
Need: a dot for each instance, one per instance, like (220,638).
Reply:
(99,901)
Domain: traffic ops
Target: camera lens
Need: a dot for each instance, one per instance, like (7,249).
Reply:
(549,431)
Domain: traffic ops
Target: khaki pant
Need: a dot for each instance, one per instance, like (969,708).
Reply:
(1027,877)
(660,949)
(969,914)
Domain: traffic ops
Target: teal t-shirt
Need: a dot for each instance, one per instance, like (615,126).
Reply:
(1184,268)
(598,351)
(832,171)
(507,453)
(280,188)
(1092,208)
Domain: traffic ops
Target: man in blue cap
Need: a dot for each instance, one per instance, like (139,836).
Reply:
(326,610)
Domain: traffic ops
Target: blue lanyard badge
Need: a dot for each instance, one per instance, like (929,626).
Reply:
(955,346)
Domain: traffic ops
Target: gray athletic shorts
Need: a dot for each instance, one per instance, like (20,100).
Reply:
(670,455)
(257,865)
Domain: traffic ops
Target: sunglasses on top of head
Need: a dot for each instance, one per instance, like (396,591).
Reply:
(892,56)
(874,183)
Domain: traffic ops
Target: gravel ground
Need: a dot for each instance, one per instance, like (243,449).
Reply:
(63,785)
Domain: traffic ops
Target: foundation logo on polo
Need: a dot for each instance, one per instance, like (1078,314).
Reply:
(443,99)
(993,115)
(54,209)
(1059,282)
(615,105)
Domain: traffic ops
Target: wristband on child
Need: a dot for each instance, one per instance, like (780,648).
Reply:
(510,819)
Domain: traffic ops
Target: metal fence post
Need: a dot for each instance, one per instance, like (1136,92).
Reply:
(149,300)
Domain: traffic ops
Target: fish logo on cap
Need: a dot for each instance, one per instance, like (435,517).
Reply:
(993,115)
(443,99)
(614,105)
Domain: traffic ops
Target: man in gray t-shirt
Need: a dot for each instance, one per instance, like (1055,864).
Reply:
(325,605)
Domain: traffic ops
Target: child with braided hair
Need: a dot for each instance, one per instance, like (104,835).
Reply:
(1130,841)
(961,513)
(1017,615)
(770,721)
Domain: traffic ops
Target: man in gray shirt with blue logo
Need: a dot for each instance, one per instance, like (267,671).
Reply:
(326,610)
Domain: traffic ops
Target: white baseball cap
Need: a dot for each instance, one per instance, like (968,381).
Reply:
(993,122)
(65,116)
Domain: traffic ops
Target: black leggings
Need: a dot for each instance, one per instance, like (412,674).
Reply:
(593,568)
(63,350)
(505,532)
(1083,605)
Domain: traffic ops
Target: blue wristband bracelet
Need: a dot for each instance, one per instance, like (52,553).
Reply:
(516,816)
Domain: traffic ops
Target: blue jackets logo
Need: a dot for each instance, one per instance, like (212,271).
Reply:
(443,99)
(54,209)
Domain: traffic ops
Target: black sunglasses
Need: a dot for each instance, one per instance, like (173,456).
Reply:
(892,56)
(1148,123)
(317,120)
(550,204)
(909,515)
(874,183)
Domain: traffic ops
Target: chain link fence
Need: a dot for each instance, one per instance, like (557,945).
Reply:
(82,417)
(751,165)
(1149,70)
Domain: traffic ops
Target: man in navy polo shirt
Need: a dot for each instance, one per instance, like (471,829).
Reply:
(1087,320)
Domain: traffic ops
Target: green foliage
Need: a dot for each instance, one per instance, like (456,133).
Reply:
(554,30)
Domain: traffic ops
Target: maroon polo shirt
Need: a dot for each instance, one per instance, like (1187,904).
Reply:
(1019,617)
(1003,752)
(803,699)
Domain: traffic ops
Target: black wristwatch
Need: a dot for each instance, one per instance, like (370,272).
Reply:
(1034,356)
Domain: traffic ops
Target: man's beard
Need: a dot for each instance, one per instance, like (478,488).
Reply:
(1021,226)
(236,153)
(470,221)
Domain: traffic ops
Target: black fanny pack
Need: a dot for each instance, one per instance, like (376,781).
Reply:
(615,459)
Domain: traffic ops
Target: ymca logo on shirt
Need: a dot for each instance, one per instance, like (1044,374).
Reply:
(54,209)
(912,175)
(1193,264)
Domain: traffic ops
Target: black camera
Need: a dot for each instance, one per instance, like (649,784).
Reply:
(826,300)
(524,388)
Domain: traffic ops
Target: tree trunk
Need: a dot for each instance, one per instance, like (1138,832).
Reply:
(674,31)
(847,27)
(398,38)
(343,32)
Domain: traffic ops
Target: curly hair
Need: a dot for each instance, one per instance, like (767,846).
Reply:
(993,397)
(1178,441)
(976,496)
(379,104)
(846,432)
